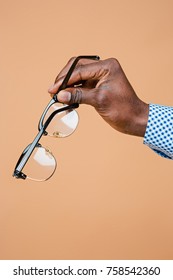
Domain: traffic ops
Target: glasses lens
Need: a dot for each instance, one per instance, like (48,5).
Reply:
(64,123)
(41,165)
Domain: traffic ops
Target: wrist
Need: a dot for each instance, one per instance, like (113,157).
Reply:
(139,119)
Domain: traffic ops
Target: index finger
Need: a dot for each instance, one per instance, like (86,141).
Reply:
(81,60)
(82,72)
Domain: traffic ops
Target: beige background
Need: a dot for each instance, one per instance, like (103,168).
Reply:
(111,197)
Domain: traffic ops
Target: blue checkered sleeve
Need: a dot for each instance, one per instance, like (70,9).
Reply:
(159,131)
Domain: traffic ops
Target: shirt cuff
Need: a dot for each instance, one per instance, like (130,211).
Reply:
(159,130)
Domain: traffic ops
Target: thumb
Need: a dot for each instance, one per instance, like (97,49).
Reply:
(77,95)
(64,96)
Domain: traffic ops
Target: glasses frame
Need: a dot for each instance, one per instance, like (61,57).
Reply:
(43,125)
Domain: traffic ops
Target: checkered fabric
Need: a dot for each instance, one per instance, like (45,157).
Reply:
(159,131)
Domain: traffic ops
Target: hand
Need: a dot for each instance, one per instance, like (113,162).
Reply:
(104,85)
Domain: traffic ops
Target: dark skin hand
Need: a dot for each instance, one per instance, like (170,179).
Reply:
(104,85)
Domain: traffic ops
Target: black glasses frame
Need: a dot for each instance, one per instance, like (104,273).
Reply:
(42,126)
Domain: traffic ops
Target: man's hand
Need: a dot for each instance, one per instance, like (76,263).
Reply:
(103,85)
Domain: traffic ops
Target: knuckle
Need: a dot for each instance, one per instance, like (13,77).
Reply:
(76,96)
(113,63)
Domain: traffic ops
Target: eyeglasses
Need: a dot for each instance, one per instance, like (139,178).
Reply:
(57,120)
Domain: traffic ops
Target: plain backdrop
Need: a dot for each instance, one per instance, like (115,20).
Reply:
(111,196)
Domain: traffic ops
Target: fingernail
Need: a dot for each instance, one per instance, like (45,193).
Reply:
(64,96)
